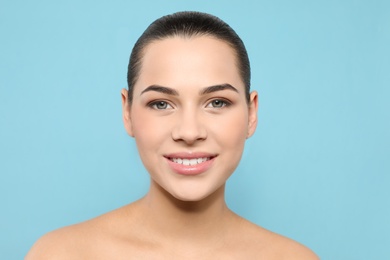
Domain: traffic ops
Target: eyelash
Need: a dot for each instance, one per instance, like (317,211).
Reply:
(224,102)
(154,104)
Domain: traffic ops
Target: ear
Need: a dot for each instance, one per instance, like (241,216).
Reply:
(126,115)
(252,115)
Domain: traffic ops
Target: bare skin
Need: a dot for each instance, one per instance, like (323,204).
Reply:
(182,216)
(201,230)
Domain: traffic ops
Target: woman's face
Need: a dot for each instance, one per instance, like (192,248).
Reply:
(189,115)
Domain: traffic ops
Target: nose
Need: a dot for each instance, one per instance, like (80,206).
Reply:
(189,128)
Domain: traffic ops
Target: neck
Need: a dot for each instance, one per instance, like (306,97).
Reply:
(192,221)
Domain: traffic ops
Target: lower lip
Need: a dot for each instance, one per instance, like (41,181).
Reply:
(190,169)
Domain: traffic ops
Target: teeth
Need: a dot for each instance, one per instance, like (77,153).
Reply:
(188,162)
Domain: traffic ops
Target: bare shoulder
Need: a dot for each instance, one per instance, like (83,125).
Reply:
(270,245)
(80,241)
(58,244)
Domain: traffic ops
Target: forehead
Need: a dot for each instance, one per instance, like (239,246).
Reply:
(191,61)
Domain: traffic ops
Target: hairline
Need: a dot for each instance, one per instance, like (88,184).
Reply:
(184,35)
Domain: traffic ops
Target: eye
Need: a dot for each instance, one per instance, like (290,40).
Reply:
(160,105)
(218,103)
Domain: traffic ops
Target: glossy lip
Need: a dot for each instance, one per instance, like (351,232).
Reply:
(190,169)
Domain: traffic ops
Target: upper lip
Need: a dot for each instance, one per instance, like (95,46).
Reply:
(190,155)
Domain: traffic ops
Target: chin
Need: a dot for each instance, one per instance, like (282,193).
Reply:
(195,194)
(188,196)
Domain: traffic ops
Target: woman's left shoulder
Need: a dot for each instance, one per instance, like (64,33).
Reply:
(261,241)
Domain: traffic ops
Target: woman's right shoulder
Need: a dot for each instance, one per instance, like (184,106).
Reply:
(80,240)
(58,244)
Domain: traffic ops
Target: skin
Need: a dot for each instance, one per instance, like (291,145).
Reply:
(182,216)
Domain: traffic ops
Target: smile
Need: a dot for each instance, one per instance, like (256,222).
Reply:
(194,163)
(188,162)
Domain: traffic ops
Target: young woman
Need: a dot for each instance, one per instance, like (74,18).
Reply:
(190,110)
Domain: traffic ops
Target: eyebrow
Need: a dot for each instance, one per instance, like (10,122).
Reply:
(216,88)
(161,89)
(206,90)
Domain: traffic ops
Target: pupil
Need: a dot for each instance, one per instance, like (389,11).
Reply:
(217,103)
(161,104)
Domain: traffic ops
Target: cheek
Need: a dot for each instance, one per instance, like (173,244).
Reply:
(231,130)
(145,131)
(230,134)
(150,132)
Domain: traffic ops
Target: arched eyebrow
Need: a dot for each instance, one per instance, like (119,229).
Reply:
(216,88)
(204,91)
(161,89)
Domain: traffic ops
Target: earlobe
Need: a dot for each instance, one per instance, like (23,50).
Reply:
(252,115)
(126,115)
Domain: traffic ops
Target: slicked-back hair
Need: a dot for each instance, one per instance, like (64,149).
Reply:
(188,24)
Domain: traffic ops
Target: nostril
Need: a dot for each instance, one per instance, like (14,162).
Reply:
(189,132)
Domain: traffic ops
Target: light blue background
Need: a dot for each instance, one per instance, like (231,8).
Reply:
(317,170)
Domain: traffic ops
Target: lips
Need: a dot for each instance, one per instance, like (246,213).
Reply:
(190,163)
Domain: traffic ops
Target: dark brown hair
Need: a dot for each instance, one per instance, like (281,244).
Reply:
(188,24)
